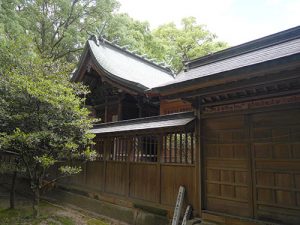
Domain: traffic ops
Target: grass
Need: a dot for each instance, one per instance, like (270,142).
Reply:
(49,215)
(24,216)
(95,222)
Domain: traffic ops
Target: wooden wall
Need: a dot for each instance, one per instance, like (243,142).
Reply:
(138,180)
(252,165)
(148,183)
(174,106)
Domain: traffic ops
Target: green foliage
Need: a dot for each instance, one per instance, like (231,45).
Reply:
(189,41)
(125,31)
(58,28)
(168,43)
(42,120)
(69,170)
(45,160)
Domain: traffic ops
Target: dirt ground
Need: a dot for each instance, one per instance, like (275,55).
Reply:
(50,214)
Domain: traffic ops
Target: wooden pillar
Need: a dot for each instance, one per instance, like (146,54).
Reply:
(129,144)
(198,157)
(106,110)
(139,105)
(159,161)
(120,108)
(105,158)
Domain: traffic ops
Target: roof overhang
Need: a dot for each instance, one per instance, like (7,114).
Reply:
(179,120)
(121,68)
(113,79)
(88,60)
(223,78)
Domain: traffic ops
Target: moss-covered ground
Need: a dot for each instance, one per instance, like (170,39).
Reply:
(50,214)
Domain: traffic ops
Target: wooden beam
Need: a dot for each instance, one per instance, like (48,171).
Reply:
(238,85)
(252,98)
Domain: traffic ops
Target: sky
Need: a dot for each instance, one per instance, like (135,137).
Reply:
(233,21)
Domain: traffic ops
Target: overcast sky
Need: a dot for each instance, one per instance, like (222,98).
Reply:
(234,21)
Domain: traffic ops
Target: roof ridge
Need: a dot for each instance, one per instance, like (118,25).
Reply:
(254,45)
(124,49)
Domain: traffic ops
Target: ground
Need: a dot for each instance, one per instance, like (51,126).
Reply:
(51,214)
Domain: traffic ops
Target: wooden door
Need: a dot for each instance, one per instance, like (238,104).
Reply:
(276,164)
(227,183)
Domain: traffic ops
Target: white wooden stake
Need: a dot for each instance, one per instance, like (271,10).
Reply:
(187,214)
(178,205)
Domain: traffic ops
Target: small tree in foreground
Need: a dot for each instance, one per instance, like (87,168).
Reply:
(43,120)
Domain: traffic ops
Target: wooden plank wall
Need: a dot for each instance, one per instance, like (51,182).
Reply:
(154,183)
(227,174)
(252,165)
(144,182)
(276,164)
(174,106)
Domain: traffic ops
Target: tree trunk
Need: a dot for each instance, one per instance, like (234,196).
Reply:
(12,196)
(36,202)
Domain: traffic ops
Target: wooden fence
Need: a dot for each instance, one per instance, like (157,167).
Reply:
(145,168)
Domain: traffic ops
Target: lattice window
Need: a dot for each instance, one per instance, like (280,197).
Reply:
(144,149)
(175,147)
(178,147)
(99,148)
(119,148)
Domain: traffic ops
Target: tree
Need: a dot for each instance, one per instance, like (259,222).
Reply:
(189,41)
(136,35)
(43,121)
(125,31)
(167,43)
(58,28)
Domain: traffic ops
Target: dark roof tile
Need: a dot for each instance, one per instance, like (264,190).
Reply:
(156,122)
(128,67)
(280,45)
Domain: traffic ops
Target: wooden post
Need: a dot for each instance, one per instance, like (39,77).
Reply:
(120,108)
(128,161)
(106,110)
(159,161)
(105,158)
(139,105)
(198,157)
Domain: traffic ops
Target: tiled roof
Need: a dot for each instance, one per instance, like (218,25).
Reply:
(126,67)
(262,50)
(155,122)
